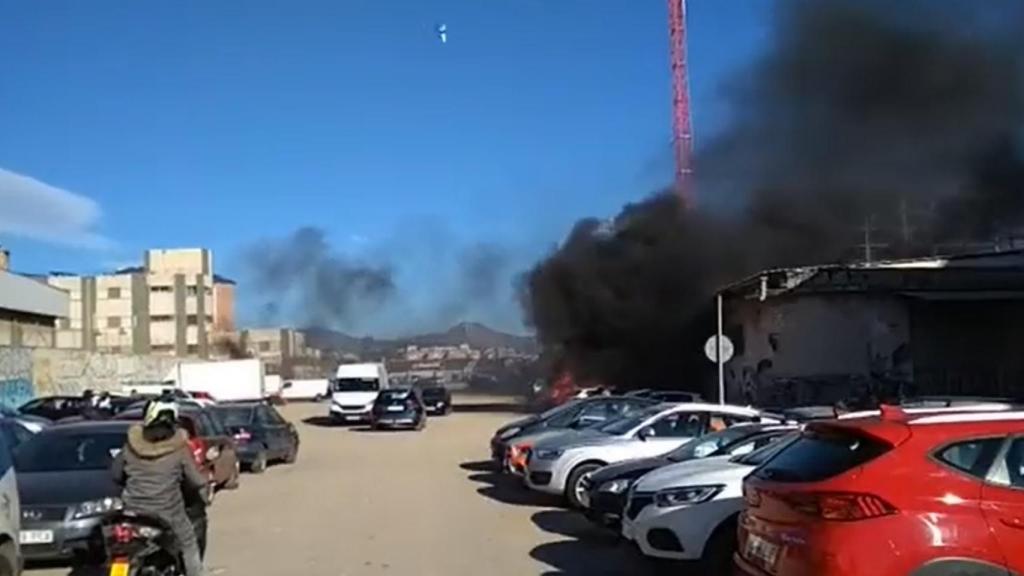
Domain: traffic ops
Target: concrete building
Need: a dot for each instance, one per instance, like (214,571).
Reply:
(284,351)
(29,310)
(824,333)
(168,306)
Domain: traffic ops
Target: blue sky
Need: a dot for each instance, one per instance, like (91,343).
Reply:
(220,123)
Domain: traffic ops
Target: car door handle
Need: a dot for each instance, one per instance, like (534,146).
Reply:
(1013,522)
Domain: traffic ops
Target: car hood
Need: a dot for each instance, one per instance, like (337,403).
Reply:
(710,470)
(354,398)
(570,439)
(520,423)
(58,488)
(628,470)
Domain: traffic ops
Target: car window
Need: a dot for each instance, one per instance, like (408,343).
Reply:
(236,416)
(62,452)
(975,457)
(263,416)
(819,455)
(680,425)
(275,417)
(626,424)
(1009,470)
(566,417)
(216,424)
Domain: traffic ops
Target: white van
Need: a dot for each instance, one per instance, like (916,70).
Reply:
(354,390)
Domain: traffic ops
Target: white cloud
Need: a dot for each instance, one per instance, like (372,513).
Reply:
(36,210)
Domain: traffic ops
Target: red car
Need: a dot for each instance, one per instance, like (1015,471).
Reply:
(891,495)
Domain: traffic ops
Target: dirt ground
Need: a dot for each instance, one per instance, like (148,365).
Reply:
(361,503)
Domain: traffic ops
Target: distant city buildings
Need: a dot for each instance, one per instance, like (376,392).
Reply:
(172,305)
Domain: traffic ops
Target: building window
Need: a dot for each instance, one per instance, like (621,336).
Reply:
(160,289)
(163,347)
(264,346)
(161,318)
(63,323)
(192,320)
(113,293)
(192,290)
(113,322)
(115,349)
(193,349)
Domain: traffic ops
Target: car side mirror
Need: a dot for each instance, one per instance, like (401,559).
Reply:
(646,433)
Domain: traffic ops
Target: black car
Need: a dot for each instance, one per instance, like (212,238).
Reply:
(437,399)
(607,488)
(66,488)
(398,408)
(576,414)
(261,434)
(55,408)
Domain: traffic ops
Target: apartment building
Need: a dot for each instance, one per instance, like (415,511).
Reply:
(167,306)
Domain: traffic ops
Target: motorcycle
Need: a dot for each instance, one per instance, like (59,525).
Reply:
(141,545)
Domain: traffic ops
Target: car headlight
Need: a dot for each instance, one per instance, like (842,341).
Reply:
(97,507)
(547,454)
(686,495)
(510,433)
(616,486)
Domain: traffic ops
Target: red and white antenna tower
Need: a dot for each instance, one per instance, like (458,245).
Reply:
(682,132)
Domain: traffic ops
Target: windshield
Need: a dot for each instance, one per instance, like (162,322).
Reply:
(355,385)
(552,412)
(624,424)
(706,445)
(235,417)
(69,452)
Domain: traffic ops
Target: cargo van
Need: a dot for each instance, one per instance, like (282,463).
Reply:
(354,389)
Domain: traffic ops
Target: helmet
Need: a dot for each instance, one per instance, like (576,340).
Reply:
(160,410)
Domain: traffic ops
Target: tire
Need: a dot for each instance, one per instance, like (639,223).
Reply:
(259,464)
(572,485)
(292,455)
(8,560)
(718,551)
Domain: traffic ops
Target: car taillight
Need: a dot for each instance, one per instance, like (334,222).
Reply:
(840,506)
(751,496)
(243,435)
(123,533)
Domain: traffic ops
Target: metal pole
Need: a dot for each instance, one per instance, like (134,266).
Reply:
(718,355)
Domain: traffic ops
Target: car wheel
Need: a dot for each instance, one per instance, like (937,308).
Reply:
(718,551)
(574,485)
(292,456)
(8,560)
(259,464)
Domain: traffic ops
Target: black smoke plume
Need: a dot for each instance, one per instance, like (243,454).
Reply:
(302,279)
(894,124)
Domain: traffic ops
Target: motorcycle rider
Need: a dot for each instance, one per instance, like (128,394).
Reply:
(154,468)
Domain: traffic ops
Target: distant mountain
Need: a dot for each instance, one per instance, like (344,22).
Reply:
(475,334)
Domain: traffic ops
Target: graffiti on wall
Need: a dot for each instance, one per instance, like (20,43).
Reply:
(15,377)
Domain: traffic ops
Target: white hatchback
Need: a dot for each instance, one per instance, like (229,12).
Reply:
(688,511)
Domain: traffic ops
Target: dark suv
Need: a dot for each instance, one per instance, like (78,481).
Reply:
(398,408)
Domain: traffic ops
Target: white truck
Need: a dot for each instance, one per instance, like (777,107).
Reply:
(305,389)
(224,381)
(355,389)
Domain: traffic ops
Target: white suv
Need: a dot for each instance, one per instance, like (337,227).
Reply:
(687,511)
(558,465)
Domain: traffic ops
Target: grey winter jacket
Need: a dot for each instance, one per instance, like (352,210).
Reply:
(155,473)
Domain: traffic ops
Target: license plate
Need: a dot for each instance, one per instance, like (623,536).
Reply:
(761,550)
(119,569)
(36,537)
(351,418)
(396,408)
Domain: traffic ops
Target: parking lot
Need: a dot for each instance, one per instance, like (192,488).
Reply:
(369,503)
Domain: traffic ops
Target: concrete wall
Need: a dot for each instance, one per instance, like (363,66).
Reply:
(26,373)
(816,348)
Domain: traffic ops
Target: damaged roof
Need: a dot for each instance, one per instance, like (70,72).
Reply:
(981,276)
